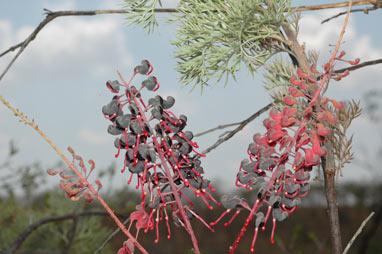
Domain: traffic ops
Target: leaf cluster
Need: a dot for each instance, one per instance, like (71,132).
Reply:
(215,37)
(17,216)
(339,144)
(141,13)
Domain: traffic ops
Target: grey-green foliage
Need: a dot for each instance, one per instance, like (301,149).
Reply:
(16,216)
(277,73)
(141,13)
(214,37)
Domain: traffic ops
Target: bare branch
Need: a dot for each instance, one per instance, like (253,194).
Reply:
(219,127)
(72,234)
(363,224)
(355,67)
(239,128)
(336,5)
(21,238)
(111,236)
(364,10)
(50,15)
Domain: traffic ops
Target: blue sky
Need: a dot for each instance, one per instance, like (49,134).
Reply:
(60,82)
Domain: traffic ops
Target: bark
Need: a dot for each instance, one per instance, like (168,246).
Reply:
(331,198)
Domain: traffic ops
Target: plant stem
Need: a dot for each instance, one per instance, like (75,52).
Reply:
(169,177)
(331,198)
(90,187)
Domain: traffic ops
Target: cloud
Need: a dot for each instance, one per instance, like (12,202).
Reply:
(319,36)
(356,45)
(79,46)
(63,5)
(93,137)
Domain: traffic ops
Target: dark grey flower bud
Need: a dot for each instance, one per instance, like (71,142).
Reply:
(114,130)
(113,86)
(260,219)
(169,102)
(290,186)
(150,83)
(301,175)
(248,166)
(136,127)
(279,214)
(157,112)
(111,108)
(291,202)
(123,121)
(230,203)
(143,68)
(131,139)
(137,168)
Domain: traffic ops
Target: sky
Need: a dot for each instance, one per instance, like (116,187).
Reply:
(60,78)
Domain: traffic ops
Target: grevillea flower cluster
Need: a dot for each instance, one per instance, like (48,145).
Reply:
(280,160)
(159,152)
(75,183)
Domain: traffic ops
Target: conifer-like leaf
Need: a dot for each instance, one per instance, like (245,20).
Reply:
(215,37)
(141,13)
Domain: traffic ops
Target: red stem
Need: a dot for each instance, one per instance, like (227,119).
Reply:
(171,182)
(103,203)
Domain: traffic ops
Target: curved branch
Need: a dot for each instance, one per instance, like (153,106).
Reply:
(21,238)
(365,10)
(52,15)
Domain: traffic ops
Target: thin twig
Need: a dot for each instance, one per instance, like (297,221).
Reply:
(365,10)
(219,127)
(355,67)
(72,235)
(90,187)
(372,230)
(21,237)
(363,224)
(336,5)
(239,128)
(111,236)
(52,15)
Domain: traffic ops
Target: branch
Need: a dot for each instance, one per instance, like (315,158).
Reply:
(84,180)
(329,173)
(21,238)
(367,236)
(357,233)
(331,198)
(336,5)
(358,66)
(111,236)
(239,128)
(219,127)
(52,15)
(365,10)
(72,234)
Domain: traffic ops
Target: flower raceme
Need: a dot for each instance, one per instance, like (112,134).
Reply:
(75,183)
(280,160)
(159,152)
